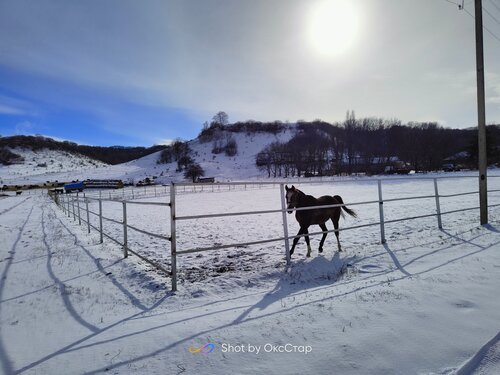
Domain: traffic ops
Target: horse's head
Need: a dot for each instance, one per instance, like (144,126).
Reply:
(291,198)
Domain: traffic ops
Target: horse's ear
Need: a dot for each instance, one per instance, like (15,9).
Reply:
(293,188)
(287,188)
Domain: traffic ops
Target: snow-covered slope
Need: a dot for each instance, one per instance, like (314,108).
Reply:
(42,165)
(220,166)
(243,164)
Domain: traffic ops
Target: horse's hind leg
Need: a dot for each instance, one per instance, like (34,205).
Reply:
(324,229)
(335,221)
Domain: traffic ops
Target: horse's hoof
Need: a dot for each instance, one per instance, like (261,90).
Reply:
(308,255)
(320,249)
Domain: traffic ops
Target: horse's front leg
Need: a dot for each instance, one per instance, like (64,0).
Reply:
(296,239)
(306,236)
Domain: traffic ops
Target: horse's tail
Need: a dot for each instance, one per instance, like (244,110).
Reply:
(347,210)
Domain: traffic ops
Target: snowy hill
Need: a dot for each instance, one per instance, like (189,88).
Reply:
(220,166)
(63,166)
(42,165)
(240,166)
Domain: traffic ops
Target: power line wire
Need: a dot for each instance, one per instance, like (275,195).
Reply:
(452,2)
(462,7)
(495,5)
(491,15)
(484,27)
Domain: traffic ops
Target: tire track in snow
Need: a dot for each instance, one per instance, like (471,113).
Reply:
(61,285)
(14,206)
(4,357)
(74,345)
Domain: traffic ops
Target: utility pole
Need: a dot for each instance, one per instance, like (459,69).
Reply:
(483,194)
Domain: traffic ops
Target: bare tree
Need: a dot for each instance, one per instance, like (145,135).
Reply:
(221,118)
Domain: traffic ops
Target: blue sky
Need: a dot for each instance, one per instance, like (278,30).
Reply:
(125,72)
(34,104)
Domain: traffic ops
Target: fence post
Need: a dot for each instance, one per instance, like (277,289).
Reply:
(88,214)
(125,241)
(73,206)
(285,223)
(69,209)
(173,244)
(381,212)
(78,208)
(62,205)
(100,220)
(438,206)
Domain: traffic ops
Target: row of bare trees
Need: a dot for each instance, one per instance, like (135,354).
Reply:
(369,145)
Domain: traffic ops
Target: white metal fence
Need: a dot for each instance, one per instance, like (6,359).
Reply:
(77,206)
(154,191)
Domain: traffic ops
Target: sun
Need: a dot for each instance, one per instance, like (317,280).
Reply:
(333,27)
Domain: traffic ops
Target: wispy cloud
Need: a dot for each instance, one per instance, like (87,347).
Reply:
(13,106)
(25,128)
(165,142)
(9,110)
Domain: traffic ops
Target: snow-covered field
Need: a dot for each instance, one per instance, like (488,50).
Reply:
(425,302)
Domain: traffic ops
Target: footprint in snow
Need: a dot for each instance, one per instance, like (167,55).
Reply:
(370,268)
(464,304)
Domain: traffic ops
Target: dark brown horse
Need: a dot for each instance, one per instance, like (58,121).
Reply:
(316,216)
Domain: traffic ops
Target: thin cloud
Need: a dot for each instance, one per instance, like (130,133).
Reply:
(16,107)
(165,142)
(25,128)
(9,110)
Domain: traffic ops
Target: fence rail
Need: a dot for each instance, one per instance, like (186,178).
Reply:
(74,204)
(71,203)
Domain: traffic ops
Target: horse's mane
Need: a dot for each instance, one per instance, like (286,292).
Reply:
(300,192)
(306,199)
